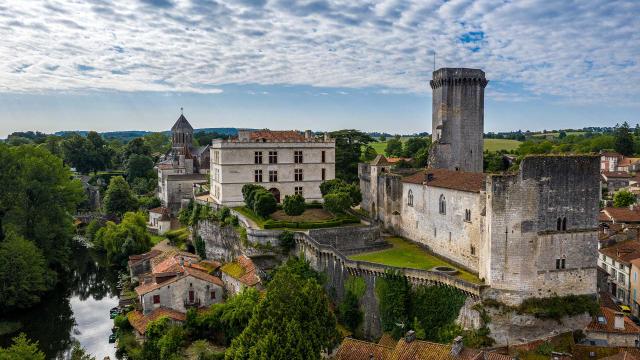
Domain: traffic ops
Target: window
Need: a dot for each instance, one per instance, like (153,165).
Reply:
(473,250)
(467,215)
(257,176)
(297,157)
(324,174)
(562,263)
(564,224)
(557,263)
(620,266)
(621,278)
(298,190)
(410,198)
(442,203)
(257,157)
(297,173)
(213,295)
(559,224)
(273,175)
(635,276)
(156,299)
(216,157)
(323,156)
(273,157)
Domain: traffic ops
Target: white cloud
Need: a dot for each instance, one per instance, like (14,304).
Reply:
(578,51)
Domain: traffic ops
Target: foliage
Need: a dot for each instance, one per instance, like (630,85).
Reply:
(436,307)
(286,241)
(171,341)
(369,153)
(157,142)
(247,193)
(24,275)
(342,219)
(394,148)
(415,145)
(92,229)
(337,185)
(623,198)
(623,139)
(87,154)
(137,146)
(130,237)
(119,199)
(264,203)
(200,247)
(494,162)
(349,144)
(177,237)
(149,202)
(293,205)
(337,202)
(139,166)
(356,285)
(557,307)
(37,200)
(79,353)
(292,322)
(349,312)
(394,299)
(23,349)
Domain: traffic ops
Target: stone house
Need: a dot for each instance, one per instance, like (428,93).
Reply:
(159,220)
(142,263)
(284,162)
(612,328)
(613,181)
(239,274)
(139,321)
(635,286)
(609,160)
(178,285)
(616,261)
(626,215)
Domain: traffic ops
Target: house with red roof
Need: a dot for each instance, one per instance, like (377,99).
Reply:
(240,273)
(159,220)
(612,328)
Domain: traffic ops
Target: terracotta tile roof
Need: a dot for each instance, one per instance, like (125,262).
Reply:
(448,179)
(172,253)
(608,327)
(394,160)
(140,321)
(165,166)
(424,350)
(275,135)
(147,255)
(199,274)
(622,215)
(622,355)
(607,301)
(624,251)
(387,340)
(380,160)
(609,153)
(352,349)
(248,275)
(182,272)
(616,174)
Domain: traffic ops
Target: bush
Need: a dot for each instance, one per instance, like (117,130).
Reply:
(337,186)
(247,193)
(349,312)
(264,203)
(559,306)
(293,205)
(337,202)
(287,241)
(330,185)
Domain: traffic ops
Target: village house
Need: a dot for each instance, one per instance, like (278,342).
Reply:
(141,264)
(616,261)
(139,321)
(635,287)
(159,220)
(177,283)
(239,274)
(625,215)
(612,328)
(611,161)
(613,181)
(284,162)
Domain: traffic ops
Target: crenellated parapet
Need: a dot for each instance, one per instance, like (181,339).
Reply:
(458,76)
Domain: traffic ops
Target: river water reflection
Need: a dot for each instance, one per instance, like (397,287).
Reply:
(76,310)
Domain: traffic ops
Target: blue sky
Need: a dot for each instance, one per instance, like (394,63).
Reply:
(312,64)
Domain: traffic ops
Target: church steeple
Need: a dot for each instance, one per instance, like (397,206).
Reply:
(181,136)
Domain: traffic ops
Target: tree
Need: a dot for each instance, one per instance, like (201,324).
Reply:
(286,241)
(414,145)
(137,146)
(349,145)
(421,158)
(394,147)
(331,185)
(382,138)
(337,185)
(76,153)
(157,142)
(292,322)
(369,153)
(293,205)
(623,198)
(200,247)
(623,139)
(24,275)
(562,135)
(349,311)
(99,153)
(79,353)
(130,237)
(494,162)
(23,349)
(119,199)
(337,202)
(264,203)
(139,166)
(247,193)
(394,294)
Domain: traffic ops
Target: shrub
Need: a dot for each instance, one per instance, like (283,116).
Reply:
(330,185)
(559,306)
(349,312)
(247,193)
(264,203)
(337,185)
(293,205)
(337,202)
(287,241)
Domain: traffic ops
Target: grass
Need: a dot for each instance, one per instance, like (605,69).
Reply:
(409,255)
(251,215)
(155,239)
(307,215)
(556,134)
(489,144)
(233,269)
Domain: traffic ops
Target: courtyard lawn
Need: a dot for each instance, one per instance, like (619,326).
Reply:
(406,254)
(307,215)
(501,144)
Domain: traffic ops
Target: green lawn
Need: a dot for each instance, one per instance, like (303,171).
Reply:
(489,144)
(409,255)
(556,134)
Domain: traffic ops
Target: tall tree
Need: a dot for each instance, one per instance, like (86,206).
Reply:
(349,144)
(99,153)
(623,139)
(139,166)
(394,147)
(137,146)
(127,238)
(414,145)
(76,153)
(157,142)
(119,198)
(23,349)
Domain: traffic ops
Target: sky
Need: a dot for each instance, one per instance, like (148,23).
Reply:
(312,64)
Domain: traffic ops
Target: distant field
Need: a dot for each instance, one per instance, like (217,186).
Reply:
(489,144)
(556,134)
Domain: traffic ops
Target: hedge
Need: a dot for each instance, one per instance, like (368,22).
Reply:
(342,220)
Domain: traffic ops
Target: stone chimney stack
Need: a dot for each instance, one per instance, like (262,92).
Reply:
(308,134)
(410,336)
(326,137)
(243,135)
(457,346)
(618,322)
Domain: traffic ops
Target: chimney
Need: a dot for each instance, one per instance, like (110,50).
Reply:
(410,336)
(243,135)
(326,137)
(457,346)
(428,177)
(308,134)
(618,323)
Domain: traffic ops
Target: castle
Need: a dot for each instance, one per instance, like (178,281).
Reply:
(532,233)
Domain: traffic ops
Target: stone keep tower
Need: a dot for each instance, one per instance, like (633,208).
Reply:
(457,119)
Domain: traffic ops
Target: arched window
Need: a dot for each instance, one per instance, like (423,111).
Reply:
(410,198)
(442,205)
(559,224)
(564,224)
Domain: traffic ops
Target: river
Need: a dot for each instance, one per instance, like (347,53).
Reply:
(76,310)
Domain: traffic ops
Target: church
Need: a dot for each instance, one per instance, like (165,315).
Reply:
(529,233)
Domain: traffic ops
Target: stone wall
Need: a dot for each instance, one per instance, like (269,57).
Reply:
(222,243)
(350,239)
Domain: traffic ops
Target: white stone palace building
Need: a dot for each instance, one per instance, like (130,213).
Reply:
(284,162)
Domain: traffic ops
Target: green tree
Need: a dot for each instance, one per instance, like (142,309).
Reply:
(137,146)
(23,349)
(394,303)
(286,241)
(264,203)
(394,147)
(623,198)
(130,237)
(292,322)
(349,312)
(118,198)
(421,158)
(200,247)
(247,193)
(623,139)
(76,152)
(139,166)
(293,205)
(99,153)
(436,307)
(494,162)
(24,275)
(414,145)
(157,142)
(369,153)
(337,202)
(79,353)
(349,144)
(562,135)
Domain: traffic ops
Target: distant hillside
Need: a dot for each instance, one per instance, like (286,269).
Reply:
(132,134)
